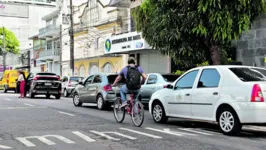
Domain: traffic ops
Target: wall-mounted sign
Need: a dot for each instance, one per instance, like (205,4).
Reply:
(125,42)
(13,10)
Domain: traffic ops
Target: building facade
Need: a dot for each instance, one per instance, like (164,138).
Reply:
(131,42)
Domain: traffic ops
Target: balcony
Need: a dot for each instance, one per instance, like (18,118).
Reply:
(124,3)
(79,28)
(49,31)
(106,20)
(51,54)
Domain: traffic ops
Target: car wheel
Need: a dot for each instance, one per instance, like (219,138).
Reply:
(100,102)
(76,101)
(5,89)
(229,122)
(66,93)
(48,96)
(31,94)
(57,96)
(158,113)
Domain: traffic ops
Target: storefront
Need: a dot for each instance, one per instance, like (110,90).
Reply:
(134,45)
(86,67)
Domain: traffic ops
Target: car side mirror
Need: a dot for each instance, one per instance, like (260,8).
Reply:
(169,86)
(80,82)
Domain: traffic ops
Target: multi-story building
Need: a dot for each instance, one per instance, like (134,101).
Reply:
(93,23)
(23,17)
(134,45)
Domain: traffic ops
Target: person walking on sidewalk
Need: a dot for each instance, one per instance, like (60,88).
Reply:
(21,79)
(132,73)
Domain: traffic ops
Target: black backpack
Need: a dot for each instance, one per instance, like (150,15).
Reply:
(133,81)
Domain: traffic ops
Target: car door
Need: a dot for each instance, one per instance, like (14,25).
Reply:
(83,91)
(180,99)
(206,93)
(64,82)
(148,88)
(93,88)
(29,81)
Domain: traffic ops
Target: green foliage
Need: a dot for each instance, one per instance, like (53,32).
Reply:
(190,31)
(206,63)
(11,42)
(179,72)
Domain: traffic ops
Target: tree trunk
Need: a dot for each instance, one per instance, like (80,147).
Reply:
(215,54)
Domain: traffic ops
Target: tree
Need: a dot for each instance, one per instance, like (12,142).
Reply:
(11,42)
(193,31)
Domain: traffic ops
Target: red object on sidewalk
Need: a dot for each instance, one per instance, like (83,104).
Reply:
(22,84)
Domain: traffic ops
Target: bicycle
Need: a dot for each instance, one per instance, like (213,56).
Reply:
(134,109)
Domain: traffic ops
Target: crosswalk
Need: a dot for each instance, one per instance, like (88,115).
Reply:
(117,134)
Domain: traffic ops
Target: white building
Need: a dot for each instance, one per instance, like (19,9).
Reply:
(133,44)
(23,17)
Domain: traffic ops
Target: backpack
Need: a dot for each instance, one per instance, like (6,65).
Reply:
(133,81)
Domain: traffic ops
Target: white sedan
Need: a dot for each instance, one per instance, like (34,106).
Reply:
(230,95)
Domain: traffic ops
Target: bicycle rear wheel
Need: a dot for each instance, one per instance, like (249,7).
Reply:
(119,113)
(137,113)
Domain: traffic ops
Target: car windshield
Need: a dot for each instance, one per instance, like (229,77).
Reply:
(170,77)
(248,74)
(77,79)
(45,74)
(111,79)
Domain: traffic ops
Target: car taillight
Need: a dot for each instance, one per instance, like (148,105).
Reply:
(256,95)
(69,84)
(35,78)
(107,88)
(165,86)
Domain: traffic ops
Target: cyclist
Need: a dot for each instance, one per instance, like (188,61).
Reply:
(132,73)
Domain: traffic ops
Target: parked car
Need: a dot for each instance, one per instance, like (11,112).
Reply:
(43,84)
(97,89)
(153,83)
(230,95)
(69,83)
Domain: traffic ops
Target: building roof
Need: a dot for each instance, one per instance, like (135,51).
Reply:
(51,15)
(33,37)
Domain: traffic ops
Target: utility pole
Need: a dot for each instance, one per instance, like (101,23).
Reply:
(4,50)
(71,39)
(61,50)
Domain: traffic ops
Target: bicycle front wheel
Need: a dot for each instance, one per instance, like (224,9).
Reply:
(137,114)
(119,113)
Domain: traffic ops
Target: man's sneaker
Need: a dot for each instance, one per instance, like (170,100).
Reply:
(123,104)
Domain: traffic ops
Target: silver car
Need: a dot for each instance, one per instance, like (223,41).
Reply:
(155,82)
(97,89)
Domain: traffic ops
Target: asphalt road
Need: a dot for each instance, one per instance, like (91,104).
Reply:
(57,124)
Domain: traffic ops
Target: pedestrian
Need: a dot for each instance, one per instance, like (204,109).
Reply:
(21,79)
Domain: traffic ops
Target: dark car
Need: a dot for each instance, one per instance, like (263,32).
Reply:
(43,84)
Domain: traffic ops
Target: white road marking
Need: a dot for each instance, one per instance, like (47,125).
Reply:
(146,134)
(5,147)
(44,139)
(104,134)
(7,99)
(29,104)
(167,131)
(20,108)
(190,130)
(83,136)
(66,113)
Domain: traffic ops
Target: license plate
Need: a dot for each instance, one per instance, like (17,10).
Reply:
(48,84)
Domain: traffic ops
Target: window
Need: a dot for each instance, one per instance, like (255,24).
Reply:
(97,79)
(82,71)
(247,74)
(170,78)
(111,79)
(49,45)
(209,78)
(152,79)
(88,81)
(76,79)
(187,81)
(263,71)
(107,68)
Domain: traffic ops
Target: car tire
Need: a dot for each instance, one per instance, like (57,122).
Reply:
(158,113)
(66,94)
(76,101)
(48,96)
(31,95)
(57,96)
(5,89)
(100,102)
(229,122)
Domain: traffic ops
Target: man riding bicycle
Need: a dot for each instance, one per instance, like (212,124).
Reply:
(132,73)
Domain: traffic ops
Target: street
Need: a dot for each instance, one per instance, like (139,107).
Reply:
(56,124)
